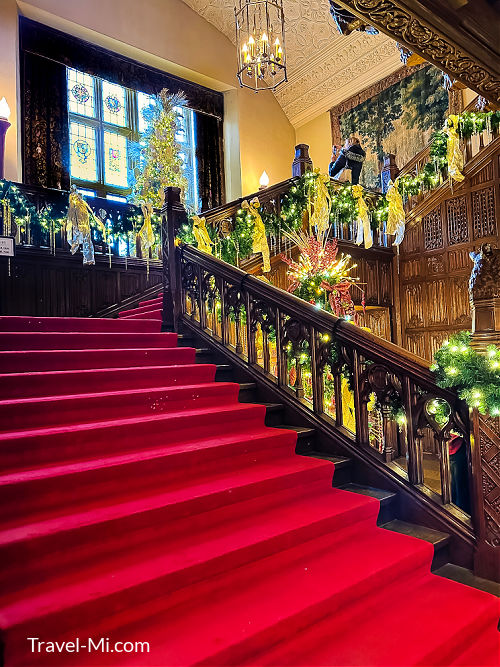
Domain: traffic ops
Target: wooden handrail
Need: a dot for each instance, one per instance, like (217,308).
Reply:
(272,330)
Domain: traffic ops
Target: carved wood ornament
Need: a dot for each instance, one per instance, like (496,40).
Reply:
(395,19)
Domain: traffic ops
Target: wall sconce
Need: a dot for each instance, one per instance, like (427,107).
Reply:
(4,126)
(263,181)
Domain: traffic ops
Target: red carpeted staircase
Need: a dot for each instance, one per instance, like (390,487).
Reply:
(141,502)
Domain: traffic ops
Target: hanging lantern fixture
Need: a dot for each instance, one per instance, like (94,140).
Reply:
(260,41)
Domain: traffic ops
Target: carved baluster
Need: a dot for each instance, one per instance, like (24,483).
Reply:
(444,465)
(316,373)
(337,383)
(252,352)
(361,413)
(237,322)
(281,355)
(390,433)
(265,349)
(224,315)
(202,310)
(298,387)
(414,449)
(468,149)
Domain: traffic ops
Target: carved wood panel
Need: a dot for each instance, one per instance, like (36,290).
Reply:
(60,286)
(435,266)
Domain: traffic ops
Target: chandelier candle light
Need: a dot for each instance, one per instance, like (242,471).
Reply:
(260,41)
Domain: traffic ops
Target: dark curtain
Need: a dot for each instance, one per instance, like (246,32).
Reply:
(209,142)
(45,126)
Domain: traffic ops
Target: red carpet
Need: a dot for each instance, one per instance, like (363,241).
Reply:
(141,502)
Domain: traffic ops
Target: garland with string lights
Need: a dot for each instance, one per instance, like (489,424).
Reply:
(475,376)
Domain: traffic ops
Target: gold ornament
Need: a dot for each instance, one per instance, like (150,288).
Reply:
(146,235)
(454,155)
(259,238)
(320,218)
(78,227)
(364,232)
(397,217)
(200,233)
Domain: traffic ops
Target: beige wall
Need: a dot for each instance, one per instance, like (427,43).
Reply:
(169,35)
(8,83)
(318,135)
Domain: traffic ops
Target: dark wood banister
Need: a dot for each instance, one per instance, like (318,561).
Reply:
(376,366)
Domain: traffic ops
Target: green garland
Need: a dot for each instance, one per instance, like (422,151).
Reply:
(475,376)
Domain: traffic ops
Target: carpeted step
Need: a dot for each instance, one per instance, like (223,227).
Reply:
(155,314)
(49,360)
(85,341)
(76,324)
(97,406)
(157,300)
(483,651)
(141,310)
(218,547)
(42,493)
(273,599)
(28,448)
(365,635)
(57,383)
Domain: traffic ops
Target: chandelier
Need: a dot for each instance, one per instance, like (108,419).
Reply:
(260,41)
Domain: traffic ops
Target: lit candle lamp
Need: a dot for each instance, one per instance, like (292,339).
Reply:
(251,45)
(263,181)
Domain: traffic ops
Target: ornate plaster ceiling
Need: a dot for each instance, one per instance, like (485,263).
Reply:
(324,67)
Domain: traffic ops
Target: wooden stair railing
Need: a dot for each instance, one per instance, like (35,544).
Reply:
(307,354)
(472,146)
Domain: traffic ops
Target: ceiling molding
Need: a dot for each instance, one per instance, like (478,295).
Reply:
(323,66)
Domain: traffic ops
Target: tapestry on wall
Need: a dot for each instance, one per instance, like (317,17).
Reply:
(398,115)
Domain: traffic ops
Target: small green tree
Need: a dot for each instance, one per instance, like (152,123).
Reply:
(158,152)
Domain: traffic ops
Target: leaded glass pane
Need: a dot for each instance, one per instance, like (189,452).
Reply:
(144,101)
(115,159)
(83,152)
(187,154)
(114,105)
(81,99)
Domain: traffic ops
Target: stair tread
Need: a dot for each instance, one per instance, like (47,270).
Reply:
(466,577)
(139,571)
(89,426)
(294,595)
(358,640)
(58,471)
(435,537)
(381,494)
(57,398)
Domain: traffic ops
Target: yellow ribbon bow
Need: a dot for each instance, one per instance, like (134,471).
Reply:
(364,232)
(146,235)
(396,218)
(200,233)
(320,218)
(259,238)
(454,155)
(78,227)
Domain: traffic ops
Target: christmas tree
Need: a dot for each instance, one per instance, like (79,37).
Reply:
(159,161)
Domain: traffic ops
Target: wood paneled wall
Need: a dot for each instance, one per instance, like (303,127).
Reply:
(60,286)
(435,266)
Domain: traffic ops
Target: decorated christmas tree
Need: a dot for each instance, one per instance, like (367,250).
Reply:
(159,162)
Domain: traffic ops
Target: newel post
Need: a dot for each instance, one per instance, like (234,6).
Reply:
(302,162)
(173,216)
(389,171)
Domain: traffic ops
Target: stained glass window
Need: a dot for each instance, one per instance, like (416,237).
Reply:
(114,104)
(104,118)
(144,102)
(83,151)
(115,159)
(81,97)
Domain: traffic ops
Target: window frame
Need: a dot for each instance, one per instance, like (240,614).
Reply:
(129,131)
